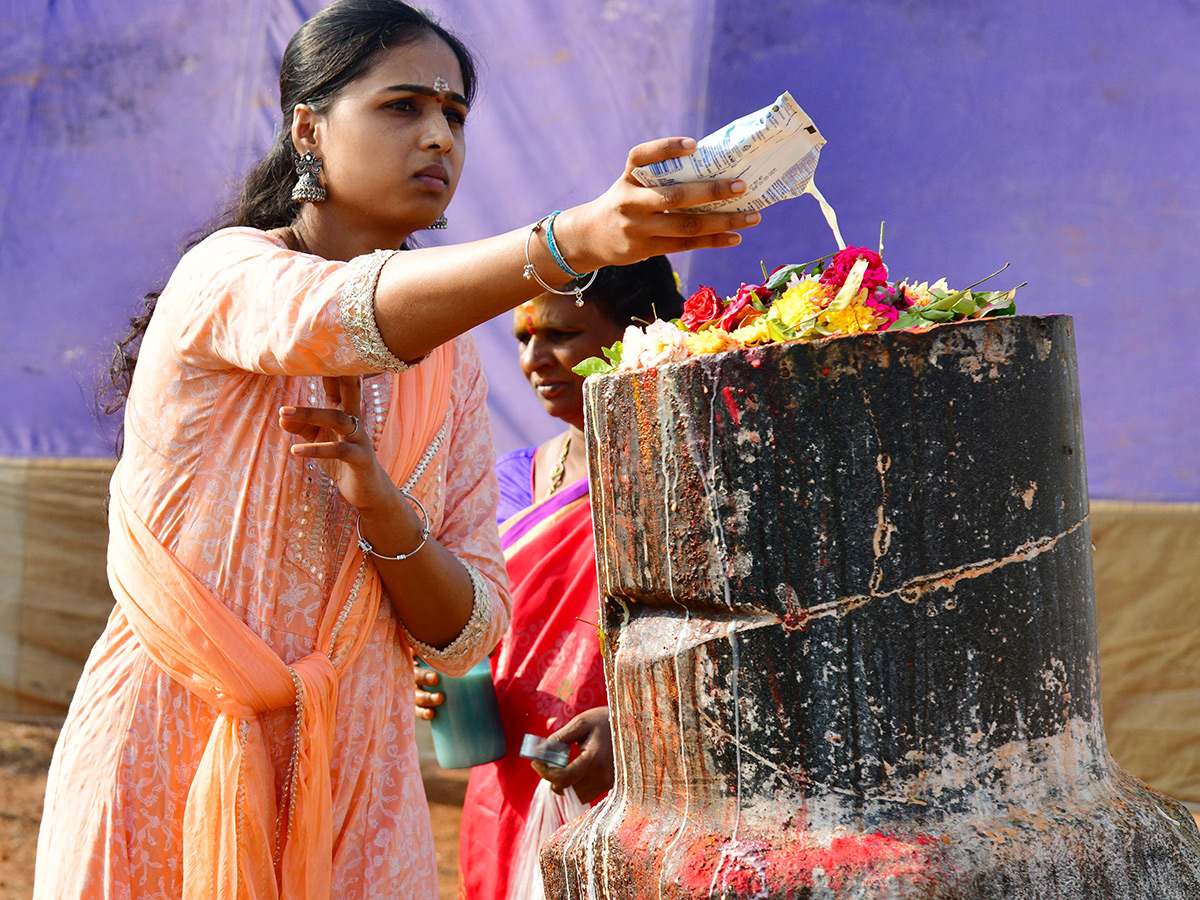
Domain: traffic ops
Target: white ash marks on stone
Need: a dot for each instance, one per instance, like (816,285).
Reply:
(980,353)
(1042,347)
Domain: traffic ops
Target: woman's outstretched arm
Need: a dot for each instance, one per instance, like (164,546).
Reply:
(427,297)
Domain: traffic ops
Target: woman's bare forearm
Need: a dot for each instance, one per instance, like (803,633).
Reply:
(426,297)
(430,296)
(430,591)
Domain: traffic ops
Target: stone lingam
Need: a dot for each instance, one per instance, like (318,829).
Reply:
(851,639)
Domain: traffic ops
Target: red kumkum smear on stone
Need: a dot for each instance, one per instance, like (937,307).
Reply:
(848,861)
(731,405)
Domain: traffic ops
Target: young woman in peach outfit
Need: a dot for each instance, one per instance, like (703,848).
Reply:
(243,728)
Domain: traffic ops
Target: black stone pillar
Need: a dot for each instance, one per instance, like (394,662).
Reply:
(851,639)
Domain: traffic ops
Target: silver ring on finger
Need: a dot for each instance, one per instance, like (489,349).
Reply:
(354,430)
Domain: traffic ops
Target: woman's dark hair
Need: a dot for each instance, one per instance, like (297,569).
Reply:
(332,49)
(636,294)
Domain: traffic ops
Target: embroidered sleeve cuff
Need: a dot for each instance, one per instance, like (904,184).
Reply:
(357,308)
(466,646)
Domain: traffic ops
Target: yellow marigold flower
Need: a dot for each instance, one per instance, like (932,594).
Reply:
(754,333)
(710,340)
(802,300)
(850,319)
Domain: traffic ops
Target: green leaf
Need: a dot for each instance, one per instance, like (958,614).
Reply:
(906,320)
(983,298)
(781,278)
(936,315)
(613,353)
(946,301)
(1003,303)
(997,309)
(964,307)
(779,331)
(594,365)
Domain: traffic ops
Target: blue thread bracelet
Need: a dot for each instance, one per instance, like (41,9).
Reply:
(553,245)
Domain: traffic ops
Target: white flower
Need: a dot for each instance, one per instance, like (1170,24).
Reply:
(660,342)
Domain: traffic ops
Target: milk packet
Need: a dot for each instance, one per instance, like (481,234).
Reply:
(774,150)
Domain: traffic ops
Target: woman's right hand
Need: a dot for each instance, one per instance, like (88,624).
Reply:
(630,222)
(431,295)
(427,701)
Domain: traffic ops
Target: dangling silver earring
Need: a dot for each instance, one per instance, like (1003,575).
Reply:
(308,189)
(439,222)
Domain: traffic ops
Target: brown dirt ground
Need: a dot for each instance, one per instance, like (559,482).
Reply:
(25,758)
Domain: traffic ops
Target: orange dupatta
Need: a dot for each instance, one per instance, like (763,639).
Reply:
(229,837)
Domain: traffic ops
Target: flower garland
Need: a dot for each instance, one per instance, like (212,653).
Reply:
(850,295)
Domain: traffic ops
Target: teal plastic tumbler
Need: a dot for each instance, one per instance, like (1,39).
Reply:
(467,730)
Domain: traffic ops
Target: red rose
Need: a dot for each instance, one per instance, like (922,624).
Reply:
(740,309)
(701,308)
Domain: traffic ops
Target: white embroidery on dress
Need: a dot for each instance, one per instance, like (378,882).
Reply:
(467,642)
(357,307)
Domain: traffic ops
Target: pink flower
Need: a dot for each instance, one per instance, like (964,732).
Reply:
(740,309)
(883,312)
(839,267)
(701,308)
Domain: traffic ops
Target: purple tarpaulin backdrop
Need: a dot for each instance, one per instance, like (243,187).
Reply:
(1060,137)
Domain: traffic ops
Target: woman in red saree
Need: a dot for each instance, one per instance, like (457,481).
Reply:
(548,670)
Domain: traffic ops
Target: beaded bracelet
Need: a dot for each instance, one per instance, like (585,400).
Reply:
(531,270)
(366,547)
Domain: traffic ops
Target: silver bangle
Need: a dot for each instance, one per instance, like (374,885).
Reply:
(531,270)
(366,547)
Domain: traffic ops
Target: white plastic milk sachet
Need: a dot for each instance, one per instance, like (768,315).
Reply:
(774,150)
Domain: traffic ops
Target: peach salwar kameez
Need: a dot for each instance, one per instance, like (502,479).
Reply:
(244,727)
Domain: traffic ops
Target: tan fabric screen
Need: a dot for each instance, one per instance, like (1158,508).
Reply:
(1147,565)
(54,596)
(54,600)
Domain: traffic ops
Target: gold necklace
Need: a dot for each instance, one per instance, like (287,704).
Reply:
(560,468)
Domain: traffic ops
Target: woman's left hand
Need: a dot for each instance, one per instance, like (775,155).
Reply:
(591,773)
(336,436)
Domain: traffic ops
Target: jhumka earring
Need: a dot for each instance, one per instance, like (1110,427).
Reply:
(308,189)
(439,222)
